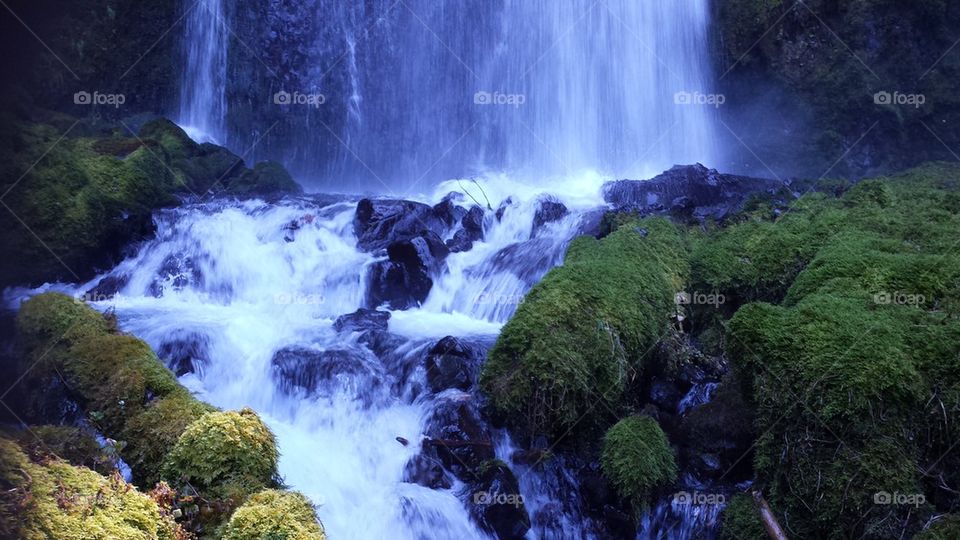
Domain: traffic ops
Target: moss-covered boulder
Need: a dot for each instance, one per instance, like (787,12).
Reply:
(582,333)
(740,520)
(266,178)
(637,458)
(227,455)
(278,515)
(53,499)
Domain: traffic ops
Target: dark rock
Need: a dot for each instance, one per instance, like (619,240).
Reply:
(426,471)
(362,320)
(405,279)
(176,272)
(324,373)
(381,222)
(447,210)
(266,178)
(502,209)
(666,393)
(690,192)
(548,211)
(451,364)
(529,260)
(106,288)
(185,354)
(496,502)
(714,437)
(471,231)
(458,437)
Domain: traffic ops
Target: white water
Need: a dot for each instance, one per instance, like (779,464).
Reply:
(248,291)
(203,104)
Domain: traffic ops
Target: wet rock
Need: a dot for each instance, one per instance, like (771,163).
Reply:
(666,394)
(548,211)
(381,222)
(405,279)
(447,210)
(458,437)
(176,272)
(690,192)
(185,354)
(529,260)
(715,436)
(502,209)
(496,503)
(471,231)
(451,364)
(426,471)
(324,373)
(362,320)
(106,288)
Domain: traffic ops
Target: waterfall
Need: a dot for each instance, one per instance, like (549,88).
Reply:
(203,87)
(420,91)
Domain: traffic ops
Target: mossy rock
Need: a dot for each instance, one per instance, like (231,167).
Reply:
(266,178)
(740,520)
(944,528)
(583,332)
(53,499)
(225,455)
(68,443)
(637,458)
(277,515)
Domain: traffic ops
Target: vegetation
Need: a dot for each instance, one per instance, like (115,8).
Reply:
(278,515)
(741,520)
(582,333)
(50,498)
(225,455)
(637,458)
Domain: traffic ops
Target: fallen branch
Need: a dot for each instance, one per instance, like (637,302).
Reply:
(769,520)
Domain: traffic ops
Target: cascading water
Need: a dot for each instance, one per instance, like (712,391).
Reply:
(203,87)
(420,91)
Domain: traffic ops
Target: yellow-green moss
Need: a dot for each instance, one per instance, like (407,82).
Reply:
(276,515)
(225,455)
(57,500)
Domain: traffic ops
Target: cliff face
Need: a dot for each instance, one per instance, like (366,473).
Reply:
(870,85)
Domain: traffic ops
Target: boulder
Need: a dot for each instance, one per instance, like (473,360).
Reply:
(452,364)
(690,192)
(458,437)
(471,231)
(381,222)
(362,320)
(427,472)
(549,210)
(497,504)
(404,280)
(326,372)
(185,353)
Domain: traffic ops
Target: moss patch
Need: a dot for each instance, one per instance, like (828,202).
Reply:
(637,458)
(582,333)
(277,515)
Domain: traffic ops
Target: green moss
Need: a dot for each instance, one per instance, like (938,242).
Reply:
(265,178)
(70,444)
(226,455)
(57,500)
(740,520)
(582,333)
(945,528)
(637,458)
(150,435)
(276,515)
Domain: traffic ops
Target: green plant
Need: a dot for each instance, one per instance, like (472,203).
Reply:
(637,458)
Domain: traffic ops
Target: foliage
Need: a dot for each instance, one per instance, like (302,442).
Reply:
(225,455)
(277,515)
(583,332)
(53,499)
(637,458)
(741,520)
